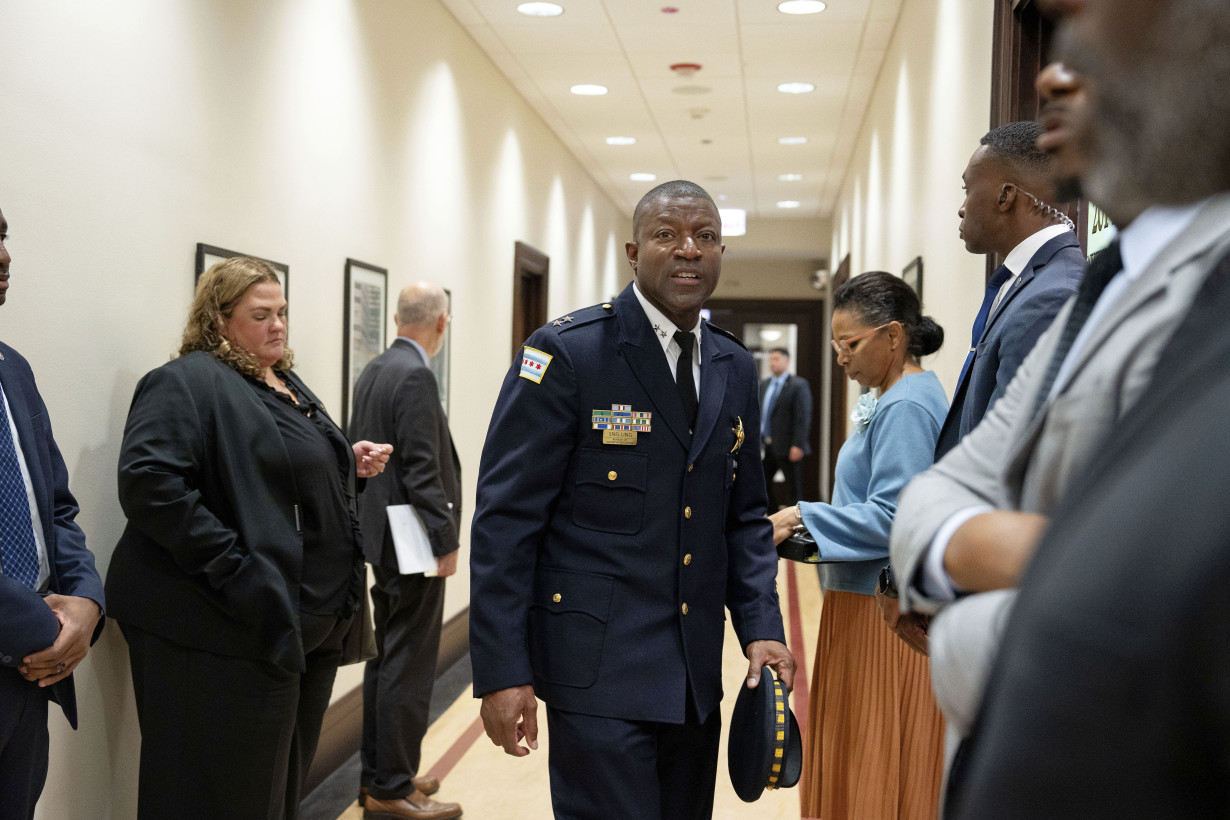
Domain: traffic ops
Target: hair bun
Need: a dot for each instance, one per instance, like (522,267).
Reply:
(926,337)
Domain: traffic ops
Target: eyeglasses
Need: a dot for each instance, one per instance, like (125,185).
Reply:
(843,345)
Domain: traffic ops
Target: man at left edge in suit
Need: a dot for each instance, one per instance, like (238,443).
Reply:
(44,553)
(397,400)
(603,553)
(785,420)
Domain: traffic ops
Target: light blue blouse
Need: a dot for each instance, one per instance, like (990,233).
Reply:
(873,466)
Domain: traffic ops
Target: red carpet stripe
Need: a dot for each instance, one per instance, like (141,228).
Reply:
(801,695)
(457,751)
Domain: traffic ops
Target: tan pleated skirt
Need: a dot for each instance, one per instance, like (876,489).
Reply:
(873,747)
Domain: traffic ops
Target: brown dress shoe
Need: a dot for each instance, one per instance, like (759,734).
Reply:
(427,784)
(415,806)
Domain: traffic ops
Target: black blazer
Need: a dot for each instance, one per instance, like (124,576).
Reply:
(212,552)
(396,400)
(583,553)
(791,417)
(71,563)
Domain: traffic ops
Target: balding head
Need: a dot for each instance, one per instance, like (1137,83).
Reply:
(422,315)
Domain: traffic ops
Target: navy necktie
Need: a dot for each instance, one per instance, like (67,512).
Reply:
(1101,270)
(18,552)
(980,321)
(684,380)
(770,397)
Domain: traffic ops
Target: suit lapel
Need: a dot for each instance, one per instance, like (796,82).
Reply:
(643,353)
(1041,257)
(713,374)
(19,407)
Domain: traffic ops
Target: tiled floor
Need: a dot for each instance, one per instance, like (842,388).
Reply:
(493,786)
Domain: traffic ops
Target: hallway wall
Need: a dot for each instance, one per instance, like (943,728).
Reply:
(306,131)
(899,200)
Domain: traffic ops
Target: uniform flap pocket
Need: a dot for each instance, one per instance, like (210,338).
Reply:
(561,590)
(611,469)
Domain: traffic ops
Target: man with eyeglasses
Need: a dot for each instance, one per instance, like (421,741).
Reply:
(1043,264)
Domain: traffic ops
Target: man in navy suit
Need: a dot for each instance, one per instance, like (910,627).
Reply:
(1004,213)
(620,509)
(42,639)
(785,406)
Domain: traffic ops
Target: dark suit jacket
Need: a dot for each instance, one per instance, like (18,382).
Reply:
(1029,307)
(1111,696)
(584,554)
(397,400)
(212,552)
(790,420)
(71,563)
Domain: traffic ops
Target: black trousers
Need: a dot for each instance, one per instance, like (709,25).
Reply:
(23,744)
(792,470)
(634,770)
(397,683)
(228,737)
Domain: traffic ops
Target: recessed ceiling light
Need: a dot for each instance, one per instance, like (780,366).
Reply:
(788,203)
(621,140)
(792,140)
(796,88)
(789,177)
(588,90)
(541,9)
(770,335)
(734,221)
(800,7)
(642,177)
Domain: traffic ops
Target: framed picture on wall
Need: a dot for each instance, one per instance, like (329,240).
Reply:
(364,324)
(439,362)
(209,255)
(913,276)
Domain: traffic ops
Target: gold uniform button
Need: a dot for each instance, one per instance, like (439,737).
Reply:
(606,305)
(685,609)
(557,597)
(687,559)
(687,512)
(690,466)
(612,475)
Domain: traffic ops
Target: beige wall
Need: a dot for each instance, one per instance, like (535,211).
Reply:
(307,131)
(899,200)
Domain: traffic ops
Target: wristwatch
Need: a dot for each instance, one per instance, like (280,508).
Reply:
(886,585)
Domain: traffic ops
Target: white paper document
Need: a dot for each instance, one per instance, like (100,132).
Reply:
(410,541)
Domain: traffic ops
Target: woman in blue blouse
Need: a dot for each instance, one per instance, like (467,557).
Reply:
(874,739)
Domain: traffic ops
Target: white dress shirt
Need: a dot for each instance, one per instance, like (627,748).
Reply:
(665,329)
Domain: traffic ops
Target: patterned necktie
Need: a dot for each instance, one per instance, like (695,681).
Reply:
(770,397)
(980,321)
(18,552)
(684,381)
(1101,270)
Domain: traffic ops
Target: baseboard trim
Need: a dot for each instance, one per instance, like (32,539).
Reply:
(342,730)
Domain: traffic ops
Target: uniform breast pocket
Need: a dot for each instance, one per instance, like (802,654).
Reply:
(610,491)
(567,625)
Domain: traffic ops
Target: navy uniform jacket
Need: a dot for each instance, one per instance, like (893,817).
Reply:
(1029,307)
(71,563)
(600,572)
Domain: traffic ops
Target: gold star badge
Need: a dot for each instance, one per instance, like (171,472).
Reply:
(738,431)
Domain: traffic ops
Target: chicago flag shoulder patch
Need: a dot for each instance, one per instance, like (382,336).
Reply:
(534,364)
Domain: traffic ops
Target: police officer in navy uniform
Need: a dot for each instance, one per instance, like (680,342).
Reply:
(620,511)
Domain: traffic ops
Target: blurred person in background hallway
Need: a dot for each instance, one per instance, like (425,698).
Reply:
(239,580)
(785,421)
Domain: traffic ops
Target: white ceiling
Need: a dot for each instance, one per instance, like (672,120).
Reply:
(745,47)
